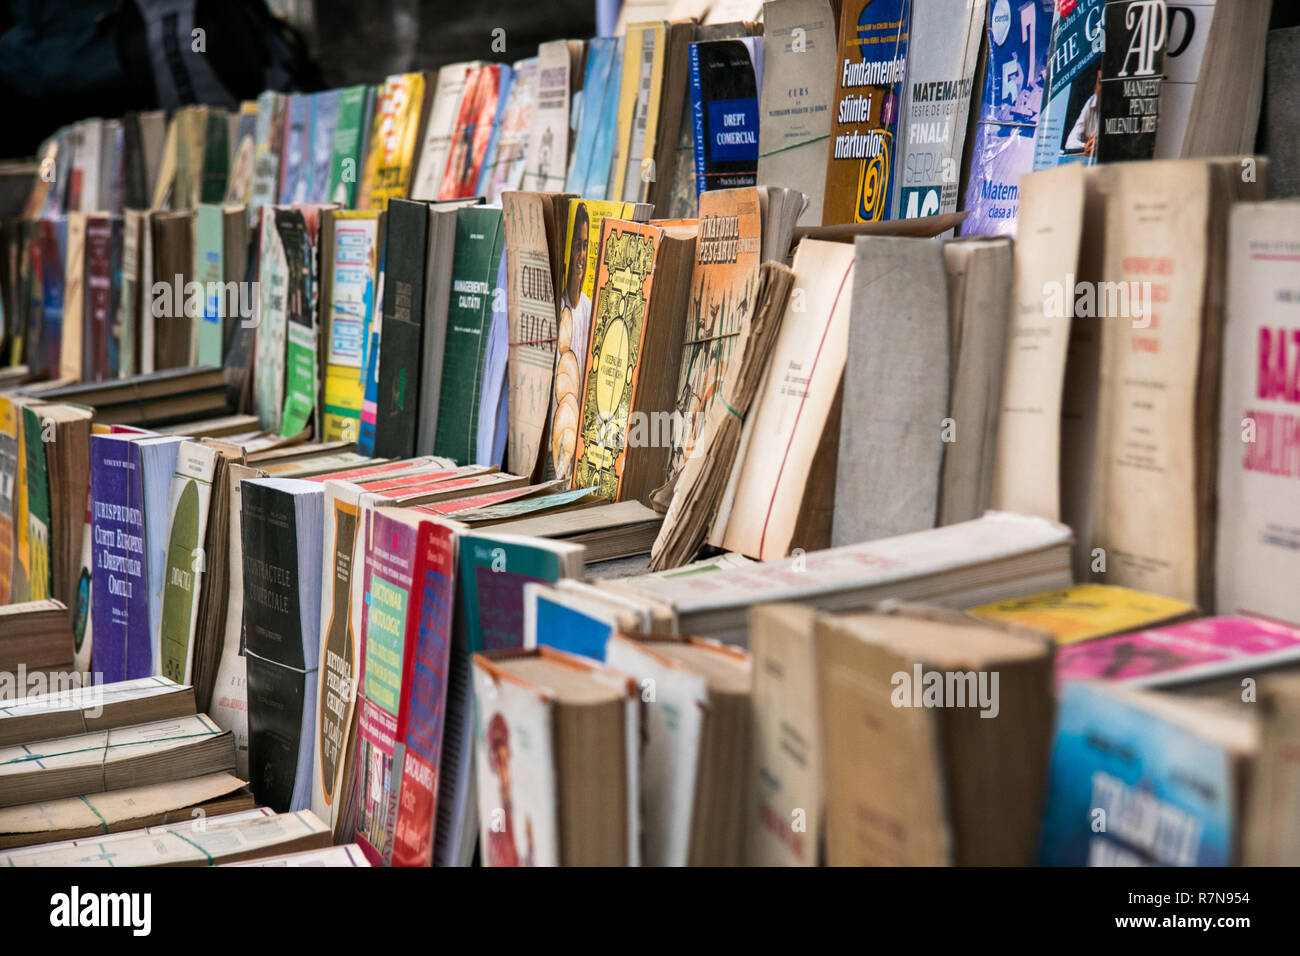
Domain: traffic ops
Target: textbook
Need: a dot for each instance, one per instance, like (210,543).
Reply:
(348,309)
(726,77)
(874,44)
(92,707)
(191,494)
(1070,122)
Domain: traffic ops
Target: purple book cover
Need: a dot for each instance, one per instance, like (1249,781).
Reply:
(120,592)
(1180,653)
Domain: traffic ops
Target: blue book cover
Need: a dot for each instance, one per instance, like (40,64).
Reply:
(726,76)
(600,55)
(490,154)
(119,607)
(324,123)
(1129,786)
(596,184)
(296,168)
(1014,80)
(1071,116)
(553,624)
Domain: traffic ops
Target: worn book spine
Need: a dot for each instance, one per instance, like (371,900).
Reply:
(895,392)
(267,152)
(404,318)
(296,239)
(98,298)
(615,361)
(874,42)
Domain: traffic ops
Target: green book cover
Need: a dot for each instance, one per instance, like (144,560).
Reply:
(216,158)
(493,571)
(345,166)
(480,236)
(209,241)
(190,496)
(35,434)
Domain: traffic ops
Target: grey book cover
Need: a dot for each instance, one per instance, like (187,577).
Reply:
(895,391)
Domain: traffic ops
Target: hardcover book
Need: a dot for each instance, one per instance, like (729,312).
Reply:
(406,241)
(634,318)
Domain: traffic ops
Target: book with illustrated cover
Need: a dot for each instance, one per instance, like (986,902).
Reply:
(874,43)
(504,170)
(1070,122)
(602,55)
(268,152)
(472,131)
(573,342)
(1126,757)
(352,275)
(556,743)
(394,136)
(724,286)
(559,75)
(639,294)
(349,136)
(726,77)
(1132,75)
(444,111)
(324,127)
(1015,77)
(295,171)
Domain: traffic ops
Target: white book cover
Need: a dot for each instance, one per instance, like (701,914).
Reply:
(675,703)
(439,130)
(186,561)
(1258,560)
(518,809)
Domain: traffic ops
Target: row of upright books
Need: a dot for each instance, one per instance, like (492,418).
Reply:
(555,530)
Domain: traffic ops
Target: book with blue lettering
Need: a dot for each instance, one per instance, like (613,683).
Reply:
(601,52)
(405,659)
(874,39)
(726,76)
(1015,75)
(1070,121)
(1143,778)
(295,171)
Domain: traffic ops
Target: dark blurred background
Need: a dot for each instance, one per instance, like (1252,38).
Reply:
(66,60)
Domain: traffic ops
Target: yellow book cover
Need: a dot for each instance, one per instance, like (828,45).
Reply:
(636,170)
(1085,611)
(71,344)
(627,97)
(9,486)
(626,272)
(351,310)
(394,133)
(582,245)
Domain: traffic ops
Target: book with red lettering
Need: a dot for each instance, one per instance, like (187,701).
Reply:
(405,656)
(1182,653)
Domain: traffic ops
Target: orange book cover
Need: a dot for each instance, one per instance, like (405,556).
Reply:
(625,273)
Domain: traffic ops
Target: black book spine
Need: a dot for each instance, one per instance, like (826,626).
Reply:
(402,328)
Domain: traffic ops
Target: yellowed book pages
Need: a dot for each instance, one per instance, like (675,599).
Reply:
(74,275)
(784,426)
(1144,493)
(1026,471)
(162,191)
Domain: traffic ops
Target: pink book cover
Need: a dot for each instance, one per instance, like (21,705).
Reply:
(1181,653)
